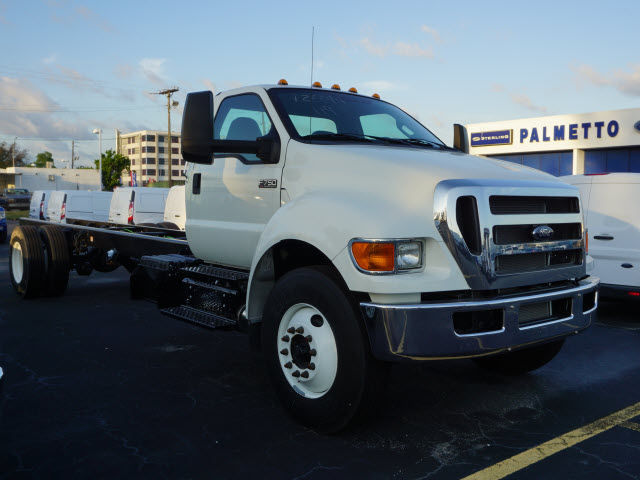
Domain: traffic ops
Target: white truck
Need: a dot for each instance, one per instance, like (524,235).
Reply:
(610,209)
(342,235)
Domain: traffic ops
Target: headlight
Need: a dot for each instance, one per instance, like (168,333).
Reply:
(386,256)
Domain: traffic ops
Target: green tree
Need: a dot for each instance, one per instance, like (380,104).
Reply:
(43,158)
(5,155)
(113,164)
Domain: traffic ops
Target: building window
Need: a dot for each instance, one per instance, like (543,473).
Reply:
(160,138)
(151,161)
(175,173)
(144,172)
(160,149)
(175,161)
(144,161)
(182,162)
(612,160)
(144,149)
(163,173)
(149,138)
(174,140)
(133,162)
(174,150)
(151,171)
(161,161)
(555,163)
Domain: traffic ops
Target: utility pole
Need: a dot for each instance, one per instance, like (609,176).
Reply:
(72,153)
(13,153)
(168,92)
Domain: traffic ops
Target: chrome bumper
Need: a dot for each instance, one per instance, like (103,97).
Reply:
(426,331)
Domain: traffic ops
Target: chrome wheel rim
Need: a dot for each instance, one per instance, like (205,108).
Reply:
(17,267)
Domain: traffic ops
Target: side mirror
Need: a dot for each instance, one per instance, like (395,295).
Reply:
(460,138)
(268,148)
(197,128)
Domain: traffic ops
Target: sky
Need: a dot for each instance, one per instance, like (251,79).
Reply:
(69,67)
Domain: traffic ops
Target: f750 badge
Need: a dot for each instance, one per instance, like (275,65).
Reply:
(268,183)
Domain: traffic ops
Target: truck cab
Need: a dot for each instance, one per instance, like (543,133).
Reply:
(441,254)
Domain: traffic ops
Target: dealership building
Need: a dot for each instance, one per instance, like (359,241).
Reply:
(587,143)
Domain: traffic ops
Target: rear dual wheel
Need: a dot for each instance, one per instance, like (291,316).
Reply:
(38,261)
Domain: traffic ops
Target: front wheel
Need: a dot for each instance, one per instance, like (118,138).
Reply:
(521,361)
(316,351)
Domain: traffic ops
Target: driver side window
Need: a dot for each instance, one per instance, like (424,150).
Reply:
(242,117)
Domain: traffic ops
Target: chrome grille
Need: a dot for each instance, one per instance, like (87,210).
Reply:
(510,253)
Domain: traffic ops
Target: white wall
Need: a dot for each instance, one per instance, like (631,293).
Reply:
(54,178)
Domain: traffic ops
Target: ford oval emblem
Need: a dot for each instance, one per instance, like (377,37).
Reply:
(542,232)
(637,126)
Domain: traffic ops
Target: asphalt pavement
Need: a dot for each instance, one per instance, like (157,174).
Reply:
(97,385)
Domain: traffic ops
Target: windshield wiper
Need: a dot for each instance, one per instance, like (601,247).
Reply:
(349,137)
(413,141)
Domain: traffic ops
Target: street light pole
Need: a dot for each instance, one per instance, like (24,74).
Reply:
(99,132)
(13,154)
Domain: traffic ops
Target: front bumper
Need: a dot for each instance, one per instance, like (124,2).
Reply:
(426,331)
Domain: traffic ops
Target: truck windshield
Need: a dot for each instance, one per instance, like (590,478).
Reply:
(339,116)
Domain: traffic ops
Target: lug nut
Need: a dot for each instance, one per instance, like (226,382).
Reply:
(285,338)
(312,366)
(288,365)
(299,330)
(284,351)
(291,330)
(304,374)
(308,338)
(296,373)
(313,352)
(316,320)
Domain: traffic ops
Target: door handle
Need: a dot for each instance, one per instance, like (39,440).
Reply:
(603,237)
(195,187)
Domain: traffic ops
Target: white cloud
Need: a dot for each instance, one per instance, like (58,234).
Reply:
(524,101)
(209,84)
(431,31)
(401,49)
(29,112)
(412,50)
(50,59)
(627,82)
(153,69)
(373,48)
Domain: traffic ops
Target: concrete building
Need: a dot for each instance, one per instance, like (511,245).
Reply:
(50,178)
(148,152)
(588,143)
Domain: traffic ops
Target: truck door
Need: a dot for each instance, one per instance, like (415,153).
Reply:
(238,193)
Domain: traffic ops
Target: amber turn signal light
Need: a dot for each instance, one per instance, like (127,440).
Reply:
(374,256)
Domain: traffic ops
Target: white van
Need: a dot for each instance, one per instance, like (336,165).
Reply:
(38,205)
(78,205)
(138,205)
(175,212)
(611,205)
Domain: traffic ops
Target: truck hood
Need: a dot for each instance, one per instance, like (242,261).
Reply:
(392,170)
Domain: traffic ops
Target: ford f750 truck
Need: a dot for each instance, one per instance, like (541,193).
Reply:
(343,235)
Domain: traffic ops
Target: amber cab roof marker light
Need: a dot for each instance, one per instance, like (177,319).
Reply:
(335,86)
(282,81)
(353,90)
(316,85)
(376,96)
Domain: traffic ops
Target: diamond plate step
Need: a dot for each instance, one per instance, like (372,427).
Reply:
(199,317)
(165,262)
(216,272)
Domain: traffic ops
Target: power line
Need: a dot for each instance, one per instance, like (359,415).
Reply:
(38,109)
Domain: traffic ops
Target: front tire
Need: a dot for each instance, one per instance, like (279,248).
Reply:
(521,361)
(316,351)
(26,261)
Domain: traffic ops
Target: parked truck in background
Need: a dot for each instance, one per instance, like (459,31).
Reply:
(342,235)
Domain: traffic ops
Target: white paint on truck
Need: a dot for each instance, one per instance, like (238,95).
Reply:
(136,205)
(175,210)
(612,215)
